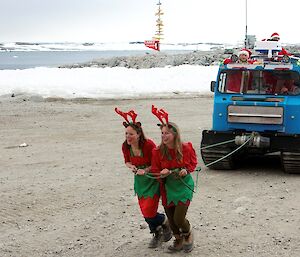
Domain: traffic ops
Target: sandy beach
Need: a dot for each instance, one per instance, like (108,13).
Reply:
(68,192)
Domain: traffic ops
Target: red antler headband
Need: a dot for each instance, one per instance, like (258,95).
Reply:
(125,115)
(161,114)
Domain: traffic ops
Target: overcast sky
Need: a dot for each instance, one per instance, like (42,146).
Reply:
(134,20)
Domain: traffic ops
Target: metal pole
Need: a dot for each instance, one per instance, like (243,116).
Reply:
(246,35)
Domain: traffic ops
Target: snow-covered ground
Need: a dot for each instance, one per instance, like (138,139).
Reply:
(108,82)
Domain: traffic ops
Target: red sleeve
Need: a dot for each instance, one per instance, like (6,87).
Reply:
(191,160)
(284,52)
(126,153)
(151,143)
(155,161)
(148,147)
(227,60)
(147,151)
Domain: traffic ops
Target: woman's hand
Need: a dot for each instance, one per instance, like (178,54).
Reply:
(140,172)
(183,173)
(164,173)
(133,169)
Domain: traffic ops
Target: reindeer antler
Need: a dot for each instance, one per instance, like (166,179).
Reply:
(156,113)
(160,114)
(133,115)
(165,115)
(123,114)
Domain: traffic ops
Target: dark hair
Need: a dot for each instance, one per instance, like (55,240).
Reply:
(137,127)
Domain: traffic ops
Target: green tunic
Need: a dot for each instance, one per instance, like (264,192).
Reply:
(179,188)
(143,186)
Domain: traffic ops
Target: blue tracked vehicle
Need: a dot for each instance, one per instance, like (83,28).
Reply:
(259,100)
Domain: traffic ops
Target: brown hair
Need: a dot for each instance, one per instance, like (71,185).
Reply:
(138,128)
(173,128)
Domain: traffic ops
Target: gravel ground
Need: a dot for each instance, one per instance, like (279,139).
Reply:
(68,192)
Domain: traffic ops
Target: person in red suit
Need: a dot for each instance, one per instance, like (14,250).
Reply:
(137,152)
(243,57)
(275,37)
(175,161)
(234,77)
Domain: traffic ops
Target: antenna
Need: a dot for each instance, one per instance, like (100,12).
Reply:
(246,32)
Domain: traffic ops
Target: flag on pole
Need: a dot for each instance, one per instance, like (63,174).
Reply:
(153,44)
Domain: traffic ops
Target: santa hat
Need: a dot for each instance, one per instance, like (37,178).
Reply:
(274,35)
(245,51)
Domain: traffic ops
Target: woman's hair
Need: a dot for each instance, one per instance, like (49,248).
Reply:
(173,128)
(137,127)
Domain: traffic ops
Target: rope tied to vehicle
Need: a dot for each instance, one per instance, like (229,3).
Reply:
(232,152)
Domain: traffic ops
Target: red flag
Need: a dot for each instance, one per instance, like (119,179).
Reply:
(153,44)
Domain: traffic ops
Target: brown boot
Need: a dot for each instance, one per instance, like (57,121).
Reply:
(167,233)
(177,244)
(156,239)
(188,242)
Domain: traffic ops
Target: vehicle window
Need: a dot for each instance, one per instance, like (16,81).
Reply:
(276,82)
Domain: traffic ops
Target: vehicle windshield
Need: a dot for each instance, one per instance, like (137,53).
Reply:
(271,82)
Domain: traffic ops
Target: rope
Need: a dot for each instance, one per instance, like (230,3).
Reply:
(187,185)
(221,143)
(235,150)
(198,169)
(152,176)
(157,175)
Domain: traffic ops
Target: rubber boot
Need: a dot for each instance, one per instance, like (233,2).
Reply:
(157,238)
(177,244)
(167,233)
(188,241)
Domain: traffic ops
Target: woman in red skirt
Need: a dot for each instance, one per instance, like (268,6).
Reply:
(174,161)
(137,152)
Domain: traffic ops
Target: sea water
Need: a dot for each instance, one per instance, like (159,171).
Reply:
(11,60)
(31,59)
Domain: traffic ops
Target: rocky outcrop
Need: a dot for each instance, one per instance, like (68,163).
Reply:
(162,59)
(147,61)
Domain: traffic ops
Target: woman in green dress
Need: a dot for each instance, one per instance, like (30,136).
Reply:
(174,161)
